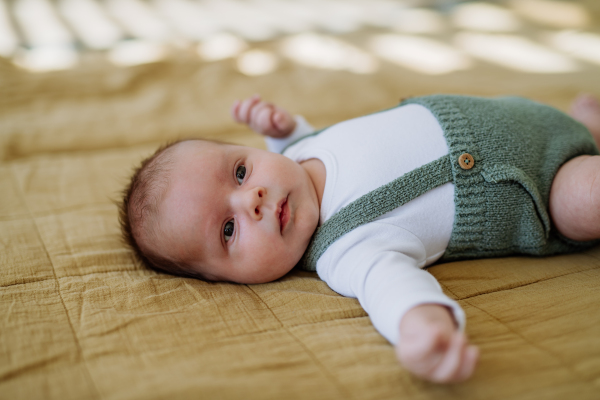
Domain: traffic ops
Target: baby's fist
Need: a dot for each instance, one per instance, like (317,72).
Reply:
(262,117)
(432,348)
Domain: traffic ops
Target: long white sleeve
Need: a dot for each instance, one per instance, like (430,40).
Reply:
(386,276)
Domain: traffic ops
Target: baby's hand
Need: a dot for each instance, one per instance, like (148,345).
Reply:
(262,117)
(432,348)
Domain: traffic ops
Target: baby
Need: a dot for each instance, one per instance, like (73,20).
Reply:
(369,202)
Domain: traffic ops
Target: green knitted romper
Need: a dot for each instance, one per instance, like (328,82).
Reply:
(501,193)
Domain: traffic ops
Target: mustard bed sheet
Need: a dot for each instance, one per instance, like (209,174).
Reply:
(80,318)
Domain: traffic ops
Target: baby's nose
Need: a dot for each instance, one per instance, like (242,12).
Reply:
(255,202)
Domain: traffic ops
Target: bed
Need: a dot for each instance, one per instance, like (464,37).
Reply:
(81,318)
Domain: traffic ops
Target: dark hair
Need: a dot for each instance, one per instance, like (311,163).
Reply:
(139,205)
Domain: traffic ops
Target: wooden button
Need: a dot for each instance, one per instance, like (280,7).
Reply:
(466,161)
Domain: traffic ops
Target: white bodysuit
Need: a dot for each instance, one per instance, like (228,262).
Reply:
(380,263)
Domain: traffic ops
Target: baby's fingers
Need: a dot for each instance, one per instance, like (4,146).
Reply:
(469,361)
(450,368)
(263,117)
(242,110)
(423,353)
(282,120)
(261,120)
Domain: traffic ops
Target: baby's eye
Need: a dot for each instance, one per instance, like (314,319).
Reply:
(240,173)
(228,230)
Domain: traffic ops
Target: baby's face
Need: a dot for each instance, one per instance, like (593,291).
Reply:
(236,213)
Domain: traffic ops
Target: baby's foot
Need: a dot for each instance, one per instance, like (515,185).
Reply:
(586,109)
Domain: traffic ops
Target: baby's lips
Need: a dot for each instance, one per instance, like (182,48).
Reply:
(279,211)
(280,207)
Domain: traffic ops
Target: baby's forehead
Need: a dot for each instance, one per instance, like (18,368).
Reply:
(197,164)
(196,147)
(186,146)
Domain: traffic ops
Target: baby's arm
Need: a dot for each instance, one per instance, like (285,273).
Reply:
(405,303)
(432,347)
(263,117)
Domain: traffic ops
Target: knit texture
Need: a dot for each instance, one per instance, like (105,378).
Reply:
(501,204)
(375,203)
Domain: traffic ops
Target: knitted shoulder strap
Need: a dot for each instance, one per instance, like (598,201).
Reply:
(374,204)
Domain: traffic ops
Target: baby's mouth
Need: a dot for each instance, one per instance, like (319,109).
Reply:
(284,214)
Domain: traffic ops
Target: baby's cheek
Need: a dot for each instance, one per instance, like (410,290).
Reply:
(278,259)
